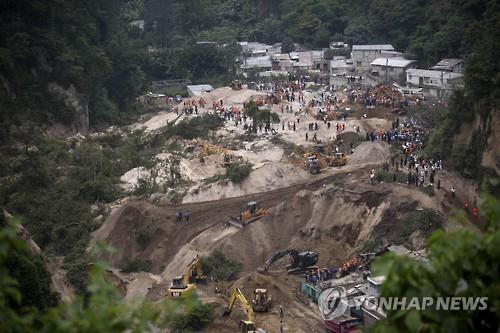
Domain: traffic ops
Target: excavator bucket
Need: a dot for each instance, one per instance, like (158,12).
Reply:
(261,270)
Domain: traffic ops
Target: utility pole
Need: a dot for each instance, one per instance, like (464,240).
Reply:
(386,68)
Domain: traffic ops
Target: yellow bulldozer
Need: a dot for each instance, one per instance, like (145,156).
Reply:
(337,160)
(250,214)
(184,285)
(248,325)
(261,300)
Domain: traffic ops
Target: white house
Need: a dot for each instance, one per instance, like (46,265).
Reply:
(450,65)
(198,89)
(391,68)
(363,55)
(435,83)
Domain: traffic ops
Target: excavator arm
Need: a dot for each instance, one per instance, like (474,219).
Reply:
(275,257)
(237,295)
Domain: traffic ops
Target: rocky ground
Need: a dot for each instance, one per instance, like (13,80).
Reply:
(333,213)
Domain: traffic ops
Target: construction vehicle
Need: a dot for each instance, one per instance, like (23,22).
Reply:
(337,160)
(236,85)
(312,164)
(248,325)
(301,261)
(185,284)
(261,300)
(250,214)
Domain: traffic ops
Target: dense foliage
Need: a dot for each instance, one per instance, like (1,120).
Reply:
(477,101)
(418,27)
(86,45)
(462,263)
(219,267)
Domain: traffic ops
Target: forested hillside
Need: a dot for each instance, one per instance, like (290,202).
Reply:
(51,47)
(426,30)
(79,64)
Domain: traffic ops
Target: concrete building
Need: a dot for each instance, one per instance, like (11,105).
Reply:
(450,65)
(391,68)
(254,49)
(435,83)
(341,66)
(281,62)
(198,89)
(259,64)
(363,55)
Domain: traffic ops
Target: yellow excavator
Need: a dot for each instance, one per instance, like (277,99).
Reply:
(185,284)
(246,326)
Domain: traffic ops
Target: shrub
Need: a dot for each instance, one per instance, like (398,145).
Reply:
(197,318)
(136,265)
(429,190)
(237,172)
(388,177)
(220,267)
(144,229)
(197,127)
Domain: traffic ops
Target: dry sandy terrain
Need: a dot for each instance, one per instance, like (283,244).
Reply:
(332,213)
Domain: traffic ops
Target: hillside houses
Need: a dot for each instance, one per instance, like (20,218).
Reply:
(369,64)
(363,55)
(391,68)
(436,83)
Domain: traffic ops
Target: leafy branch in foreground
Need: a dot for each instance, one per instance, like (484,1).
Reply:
(462,263)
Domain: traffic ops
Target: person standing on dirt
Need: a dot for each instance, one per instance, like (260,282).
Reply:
(307,137)
(186,215)
(178,215)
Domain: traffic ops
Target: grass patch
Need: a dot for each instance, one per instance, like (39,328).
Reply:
(144,230)
(429,190)
(314,87)
(220,267)
(197,127)
(197,317)
(288,147)
(237,172)
(388,177)
(136,265)
(213,179)
(394,230)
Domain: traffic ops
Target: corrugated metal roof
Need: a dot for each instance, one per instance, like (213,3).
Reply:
(433,73)
(260,62)
(447,64)
(197,89)
(392,62)
(386,47)
(341,63)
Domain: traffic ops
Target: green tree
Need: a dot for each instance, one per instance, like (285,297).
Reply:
(260,116)
(462,263)
(287,45)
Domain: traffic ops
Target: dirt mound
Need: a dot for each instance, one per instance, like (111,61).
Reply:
(369,152)
(264,177)
(298,314)
(139,231)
